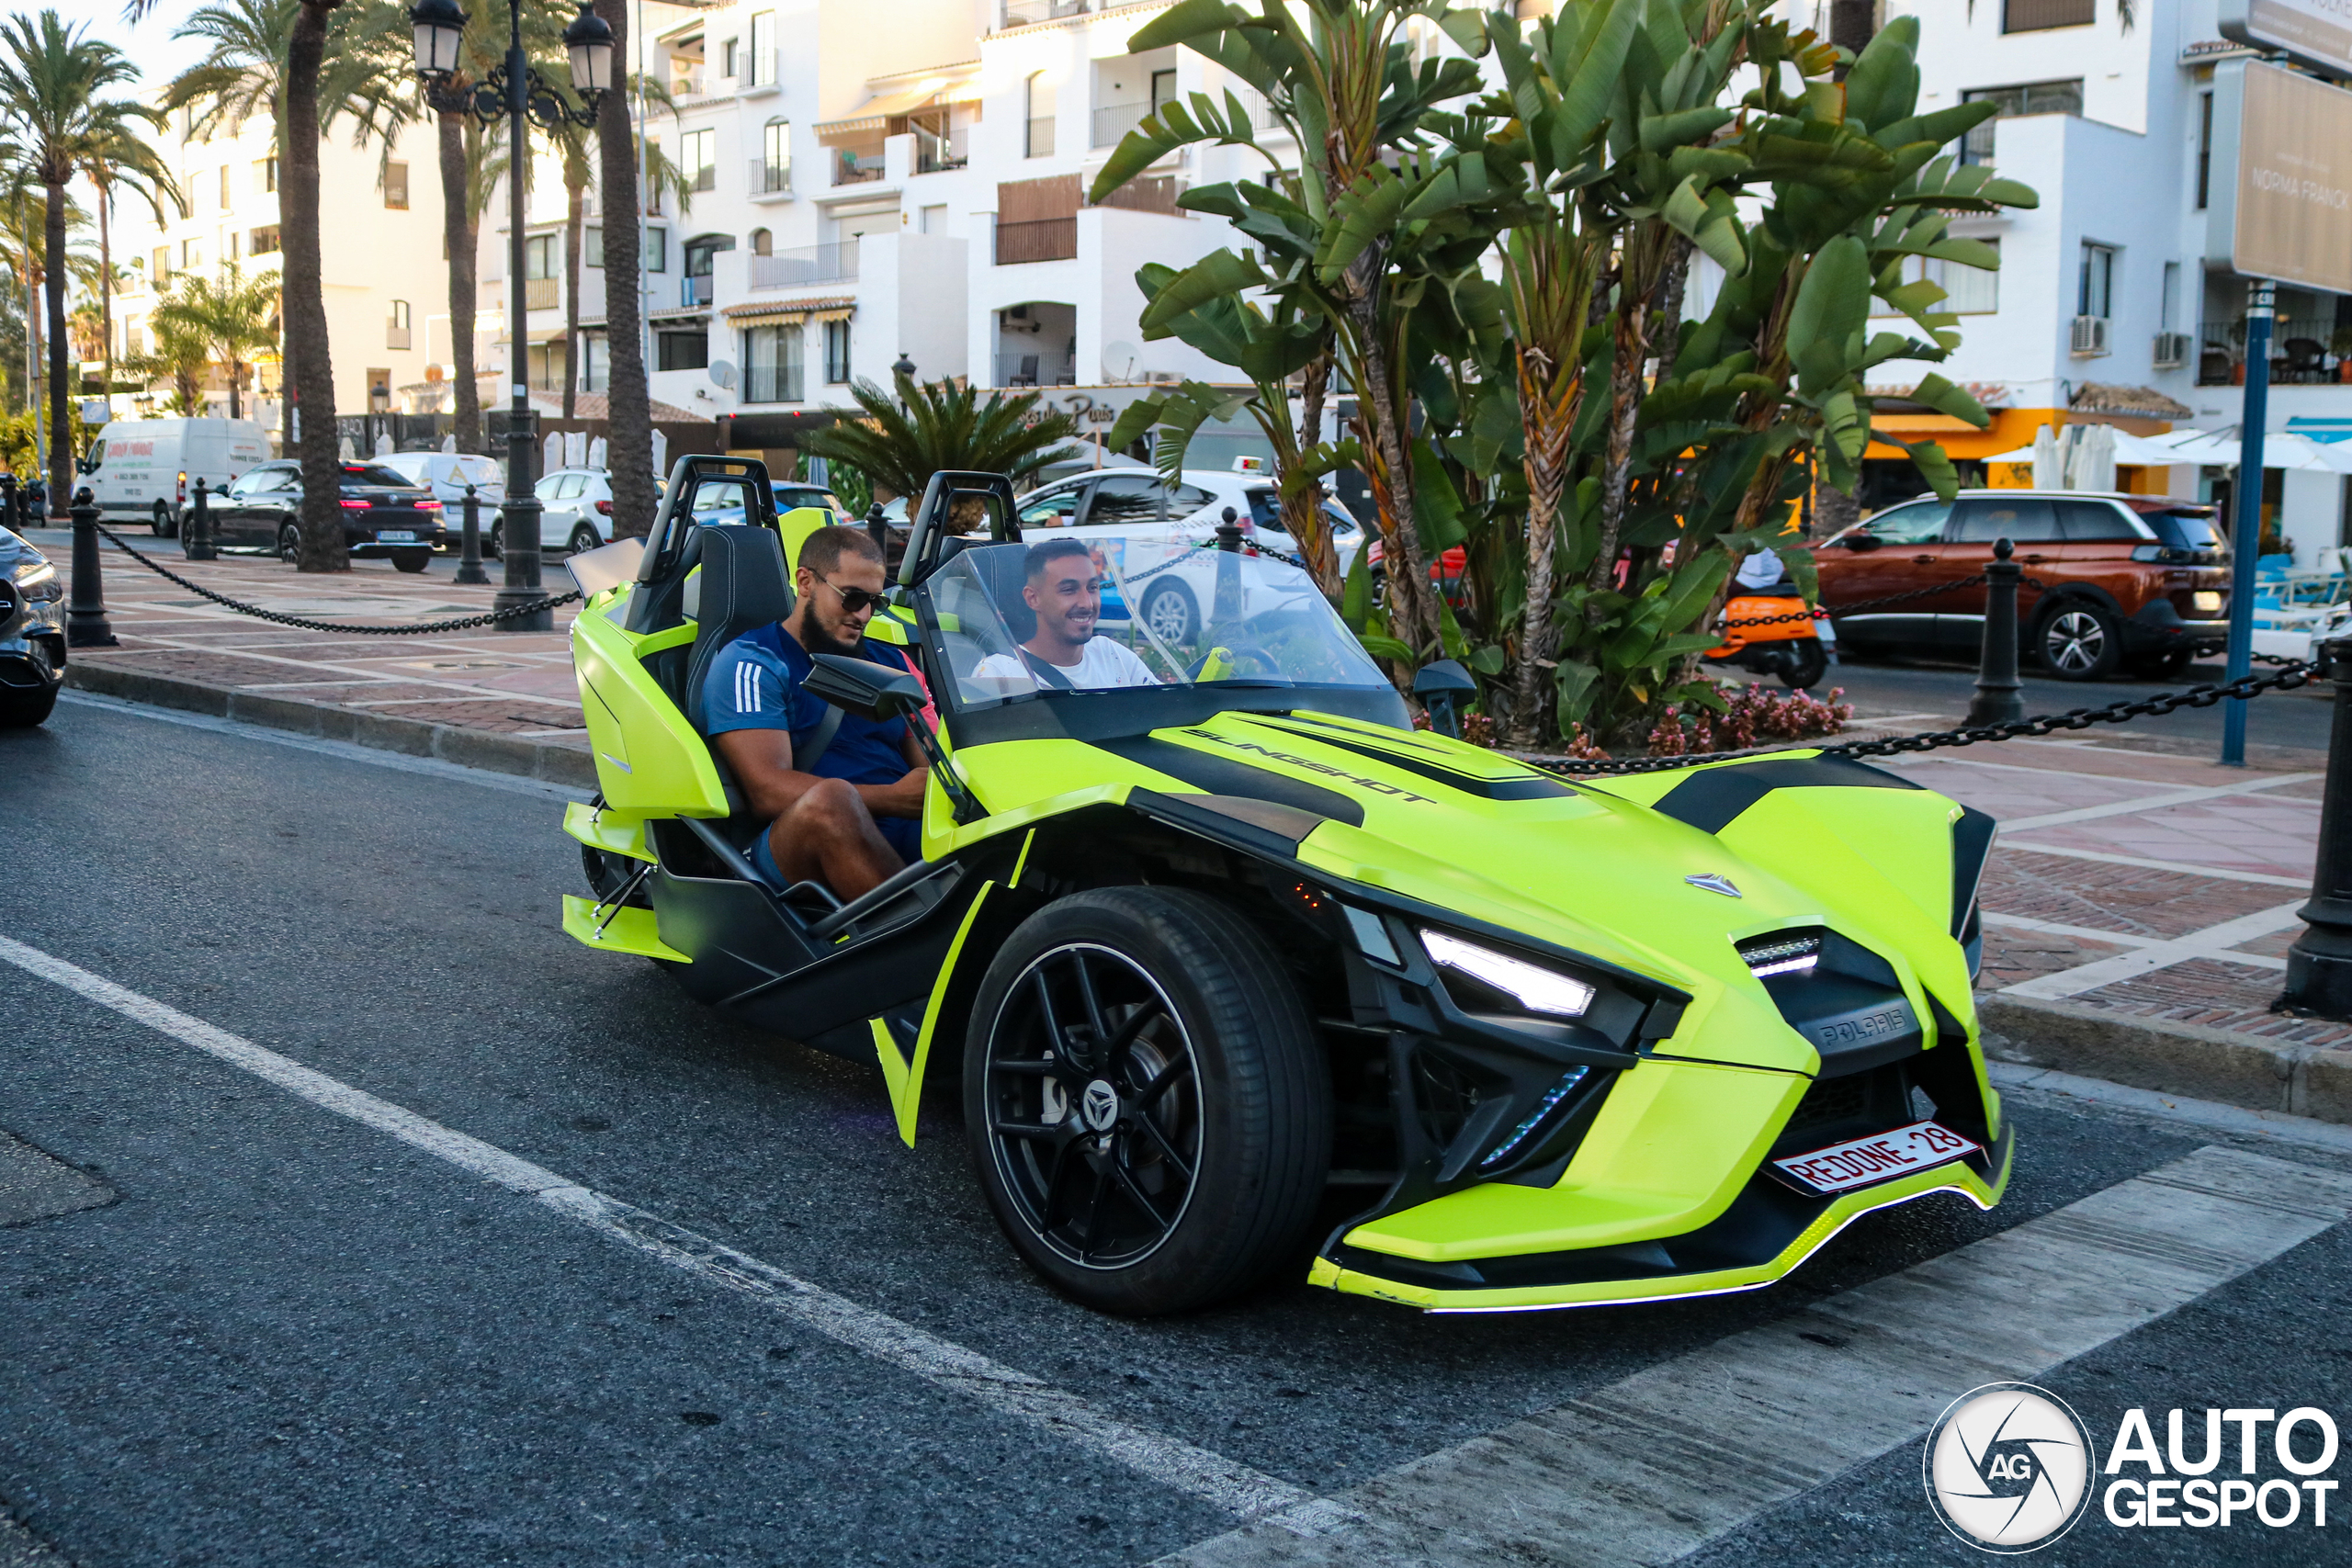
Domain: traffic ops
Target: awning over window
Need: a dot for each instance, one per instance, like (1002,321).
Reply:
(838,313)
(790,312)
(873,115)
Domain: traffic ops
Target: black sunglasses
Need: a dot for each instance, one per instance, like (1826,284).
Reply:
(855,601)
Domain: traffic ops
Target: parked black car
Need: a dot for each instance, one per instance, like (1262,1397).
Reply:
(384,513)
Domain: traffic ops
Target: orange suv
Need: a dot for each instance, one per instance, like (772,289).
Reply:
(2128,581)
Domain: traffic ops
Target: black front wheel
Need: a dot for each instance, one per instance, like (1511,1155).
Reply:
(162,521)
(412,560)
(496,546)
(289,544)
(1147,1107)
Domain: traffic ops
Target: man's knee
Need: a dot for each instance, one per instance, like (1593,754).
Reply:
(828,806)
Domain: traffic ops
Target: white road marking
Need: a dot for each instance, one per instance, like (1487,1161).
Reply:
(1237,1489)
(1651,1469)
(2120,939)
(2267,879)
(2158,802)
(2206,943)
(430,767)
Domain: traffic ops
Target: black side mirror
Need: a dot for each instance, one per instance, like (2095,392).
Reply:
(862,687)
(1439,686)
(1860,543)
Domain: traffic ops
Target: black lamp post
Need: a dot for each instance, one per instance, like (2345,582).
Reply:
(515,90)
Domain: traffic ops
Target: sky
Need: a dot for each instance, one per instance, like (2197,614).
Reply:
(149,43)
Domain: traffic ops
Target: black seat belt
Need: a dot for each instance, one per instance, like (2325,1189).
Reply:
(805,760)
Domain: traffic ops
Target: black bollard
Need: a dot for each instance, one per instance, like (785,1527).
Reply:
(2319,966)
(1228,533)
(470,557)
(8,518)
(85,613)
(196,533)
(1998,700)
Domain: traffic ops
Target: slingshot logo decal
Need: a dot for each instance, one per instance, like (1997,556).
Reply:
(2008,1467)
(1714,882)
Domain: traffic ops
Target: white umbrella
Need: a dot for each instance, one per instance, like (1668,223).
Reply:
(2130,451)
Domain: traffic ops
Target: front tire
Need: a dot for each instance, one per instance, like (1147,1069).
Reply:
(494,548)
(412,560)
(2078,641)
(289,544)
(23,708)
(1171,614)
(584,538)
(162,521)
(1147,1106)
(1806,664)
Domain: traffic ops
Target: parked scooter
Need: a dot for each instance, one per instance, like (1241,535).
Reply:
(1770,629)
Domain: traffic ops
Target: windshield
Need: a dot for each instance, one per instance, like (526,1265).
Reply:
(475,472)
(1061,618)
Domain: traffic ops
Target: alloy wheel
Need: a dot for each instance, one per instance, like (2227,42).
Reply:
(1093,1093)
(2075,642)
(1169,614)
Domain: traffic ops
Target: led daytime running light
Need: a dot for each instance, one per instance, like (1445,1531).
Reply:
(1793,956)
(1536,989)
(1543,1107)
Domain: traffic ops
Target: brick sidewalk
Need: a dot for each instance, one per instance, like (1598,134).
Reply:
(516,683)
(2130,881)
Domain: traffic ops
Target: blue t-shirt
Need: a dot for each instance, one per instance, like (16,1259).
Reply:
(755,684)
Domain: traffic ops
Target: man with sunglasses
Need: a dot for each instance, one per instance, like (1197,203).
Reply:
(845,793)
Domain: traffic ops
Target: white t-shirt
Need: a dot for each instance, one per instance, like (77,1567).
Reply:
(1101,663)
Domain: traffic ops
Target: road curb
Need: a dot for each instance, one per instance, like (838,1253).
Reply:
(527,757)
(2186,1059)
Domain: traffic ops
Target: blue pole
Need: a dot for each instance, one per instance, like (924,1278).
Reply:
(2246,539)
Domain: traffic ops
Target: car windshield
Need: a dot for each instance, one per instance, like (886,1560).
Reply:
(476,471)
(1057,619)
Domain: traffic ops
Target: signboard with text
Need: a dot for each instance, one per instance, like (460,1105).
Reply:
(2282,201)
(2317,32)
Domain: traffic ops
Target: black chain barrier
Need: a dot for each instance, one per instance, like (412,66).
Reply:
(2295,672)
(511,613)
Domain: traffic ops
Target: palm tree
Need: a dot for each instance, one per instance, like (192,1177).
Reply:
(235,318)
(272,56)
(53,82)
(627,393)
(571,146)
(180,356)
(898,441)
(117,156)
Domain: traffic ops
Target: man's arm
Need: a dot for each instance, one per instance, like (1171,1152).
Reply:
(761,760)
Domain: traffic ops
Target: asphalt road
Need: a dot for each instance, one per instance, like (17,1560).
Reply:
(293,1338)
(2297,718)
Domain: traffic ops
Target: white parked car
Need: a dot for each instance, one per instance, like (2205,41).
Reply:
(448,474)
(1133,503)
(575,510)
(145,470)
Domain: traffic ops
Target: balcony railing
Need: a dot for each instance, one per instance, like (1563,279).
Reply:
(1040,134)
(769,179)
(1112,122)
(542,293)
(1036,370)
(699,290)
(1044,238)
(1021,13)
(396,337)
(772,384)
(934,155)
(809,264)
(686,85)
(2302,351)
(856,168)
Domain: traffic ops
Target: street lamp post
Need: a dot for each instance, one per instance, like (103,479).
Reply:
(515,90)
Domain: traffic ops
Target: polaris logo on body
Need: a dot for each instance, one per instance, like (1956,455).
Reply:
(1847,1031)
(1375,785)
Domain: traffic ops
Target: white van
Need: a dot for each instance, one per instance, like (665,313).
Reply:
(146,469)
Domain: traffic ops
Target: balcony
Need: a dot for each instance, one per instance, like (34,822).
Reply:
(699,290)
(936,154)
(1040,239)
(1036,370)
(542,293)
(770,178)
(687,84)
(2303,351)
(809,264)
(856,168)
(1040,138)
(773,384)
(1022,13)
(1112,122)
(396,337)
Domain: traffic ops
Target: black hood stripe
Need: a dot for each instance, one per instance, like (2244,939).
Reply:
(1710,799)
(1226,775)
(1532,787)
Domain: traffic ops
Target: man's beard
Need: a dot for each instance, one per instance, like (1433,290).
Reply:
(839,634)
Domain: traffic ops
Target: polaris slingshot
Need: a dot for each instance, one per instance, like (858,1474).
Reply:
(1207,949)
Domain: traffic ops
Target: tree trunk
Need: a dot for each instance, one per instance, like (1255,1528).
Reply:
(461,241)
(106,291)
(236,371)
(307,366)
(575,214)
(1388,449)
(629,399)
(60,434)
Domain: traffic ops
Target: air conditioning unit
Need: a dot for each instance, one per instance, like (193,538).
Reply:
(2091,335)
(2172,350)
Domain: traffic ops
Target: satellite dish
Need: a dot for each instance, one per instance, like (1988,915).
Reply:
(1119,362)
(722,373)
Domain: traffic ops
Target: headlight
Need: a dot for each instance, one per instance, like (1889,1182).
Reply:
(1536,989)
(40,583)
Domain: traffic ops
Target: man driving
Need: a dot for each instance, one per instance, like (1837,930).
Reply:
(845,793)
(1065,594)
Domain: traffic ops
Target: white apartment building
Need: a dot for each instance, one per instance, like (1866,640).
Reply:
(2115,301)
(387,294)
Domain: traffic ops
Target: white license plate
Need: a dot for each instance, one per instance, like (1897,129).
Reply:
(396,536)
(1841,1167)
